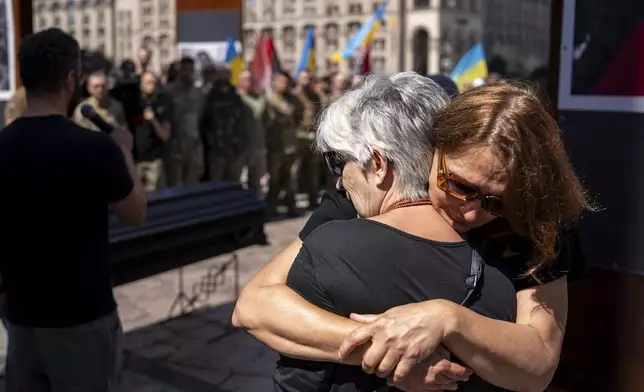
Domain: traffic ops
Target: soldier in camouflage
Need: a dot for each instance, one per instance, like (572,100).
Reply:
(185,164)
(308,161)
(107,107)
(284,114)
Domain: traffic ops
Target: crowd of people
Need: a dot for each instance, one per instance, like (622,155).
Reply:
(190,128)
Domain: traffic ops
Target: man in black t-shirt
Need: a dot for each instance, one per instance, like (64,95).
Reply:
(58,181)
(152,132)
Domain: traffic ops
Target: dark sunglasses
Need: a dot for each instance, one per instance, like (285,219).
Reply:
(335,162)
(460,189)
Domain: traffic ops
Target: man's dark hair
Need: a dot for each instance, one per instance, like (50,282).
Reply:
(187,61)
(46,59)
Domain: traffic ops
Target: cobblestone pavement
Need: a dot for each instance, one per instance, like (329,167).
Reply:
(198,350)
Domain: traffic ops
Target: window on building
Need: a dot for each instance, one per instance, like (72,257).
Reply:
(86,19)
(86,33)
(310,11)
(332,10)
(164,7)
(378,63)
(56,21)
(101,17)
(379,44)
(289,7)
(352,28)
(164,23)
(147,11)
(355,9)
(288,39)
(421,3)
(146,42)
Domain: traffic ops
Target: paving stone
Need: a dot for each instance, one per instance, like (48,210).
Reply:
(243,383)
(194,351)
(143,338)
(158,351)
(186,323)
(213,376)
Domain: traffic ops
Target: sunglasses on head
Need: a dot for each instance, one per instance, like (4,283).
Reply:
(462,190)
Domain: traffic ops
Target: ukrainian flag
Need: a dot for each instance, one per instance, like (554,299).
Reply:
(234,61)
(471,67)
(307,61)
(363,36)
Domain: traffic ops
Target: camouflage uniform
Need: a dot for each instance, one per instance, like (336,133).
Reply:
(185,163)
(308,161)
(281,141)
(225,133)
(110,110)
(16,105)
(256,155)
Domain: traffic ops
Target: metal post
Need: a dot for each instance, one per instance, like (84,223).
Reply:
(402,40)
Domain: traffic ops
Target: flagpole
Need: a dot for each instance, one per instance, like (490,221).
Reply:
(402,39)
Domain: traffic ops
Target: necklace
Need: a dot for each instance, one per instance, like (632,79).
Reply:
(407,203)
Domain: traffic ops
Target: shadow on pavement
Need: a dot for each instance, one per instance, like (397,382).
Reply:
(198,351)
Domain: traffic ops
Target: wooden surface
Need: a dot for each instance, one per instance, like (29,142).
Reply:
(604,343)
(203,5)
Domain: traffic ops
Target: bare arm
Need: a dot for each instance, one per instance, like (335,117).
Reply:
(161,129)
(521,356)
(132,210)
(280,318)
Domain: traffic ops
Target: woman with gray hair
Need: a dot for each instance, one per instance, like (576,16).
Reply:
(378,140)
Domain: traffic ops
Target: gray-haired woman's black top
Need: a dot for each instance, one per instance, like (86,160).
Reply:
(363,266)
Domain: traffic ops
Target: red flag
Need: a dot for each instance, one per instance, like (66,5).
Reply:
(260,66)
(365,66)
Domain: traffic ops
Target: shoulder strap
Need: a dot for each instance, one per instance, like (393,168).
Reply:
(473,281)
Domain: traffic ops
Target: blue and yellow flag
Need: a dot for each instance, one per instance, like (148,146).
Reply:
(471,67)
(363,36)
(307,61)
(234,61)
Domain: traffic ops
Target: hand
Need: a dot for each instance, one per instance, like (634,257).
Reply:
(148,114)
(436,373)
(401,338)
(110,120)
(123,138)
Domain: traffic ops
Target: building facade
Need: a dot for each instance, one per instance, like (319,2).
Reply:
(518,31)
(416,28)
(118,28)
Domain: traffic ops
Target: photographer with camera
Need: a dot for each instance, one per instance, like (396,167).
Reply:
(58,180)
